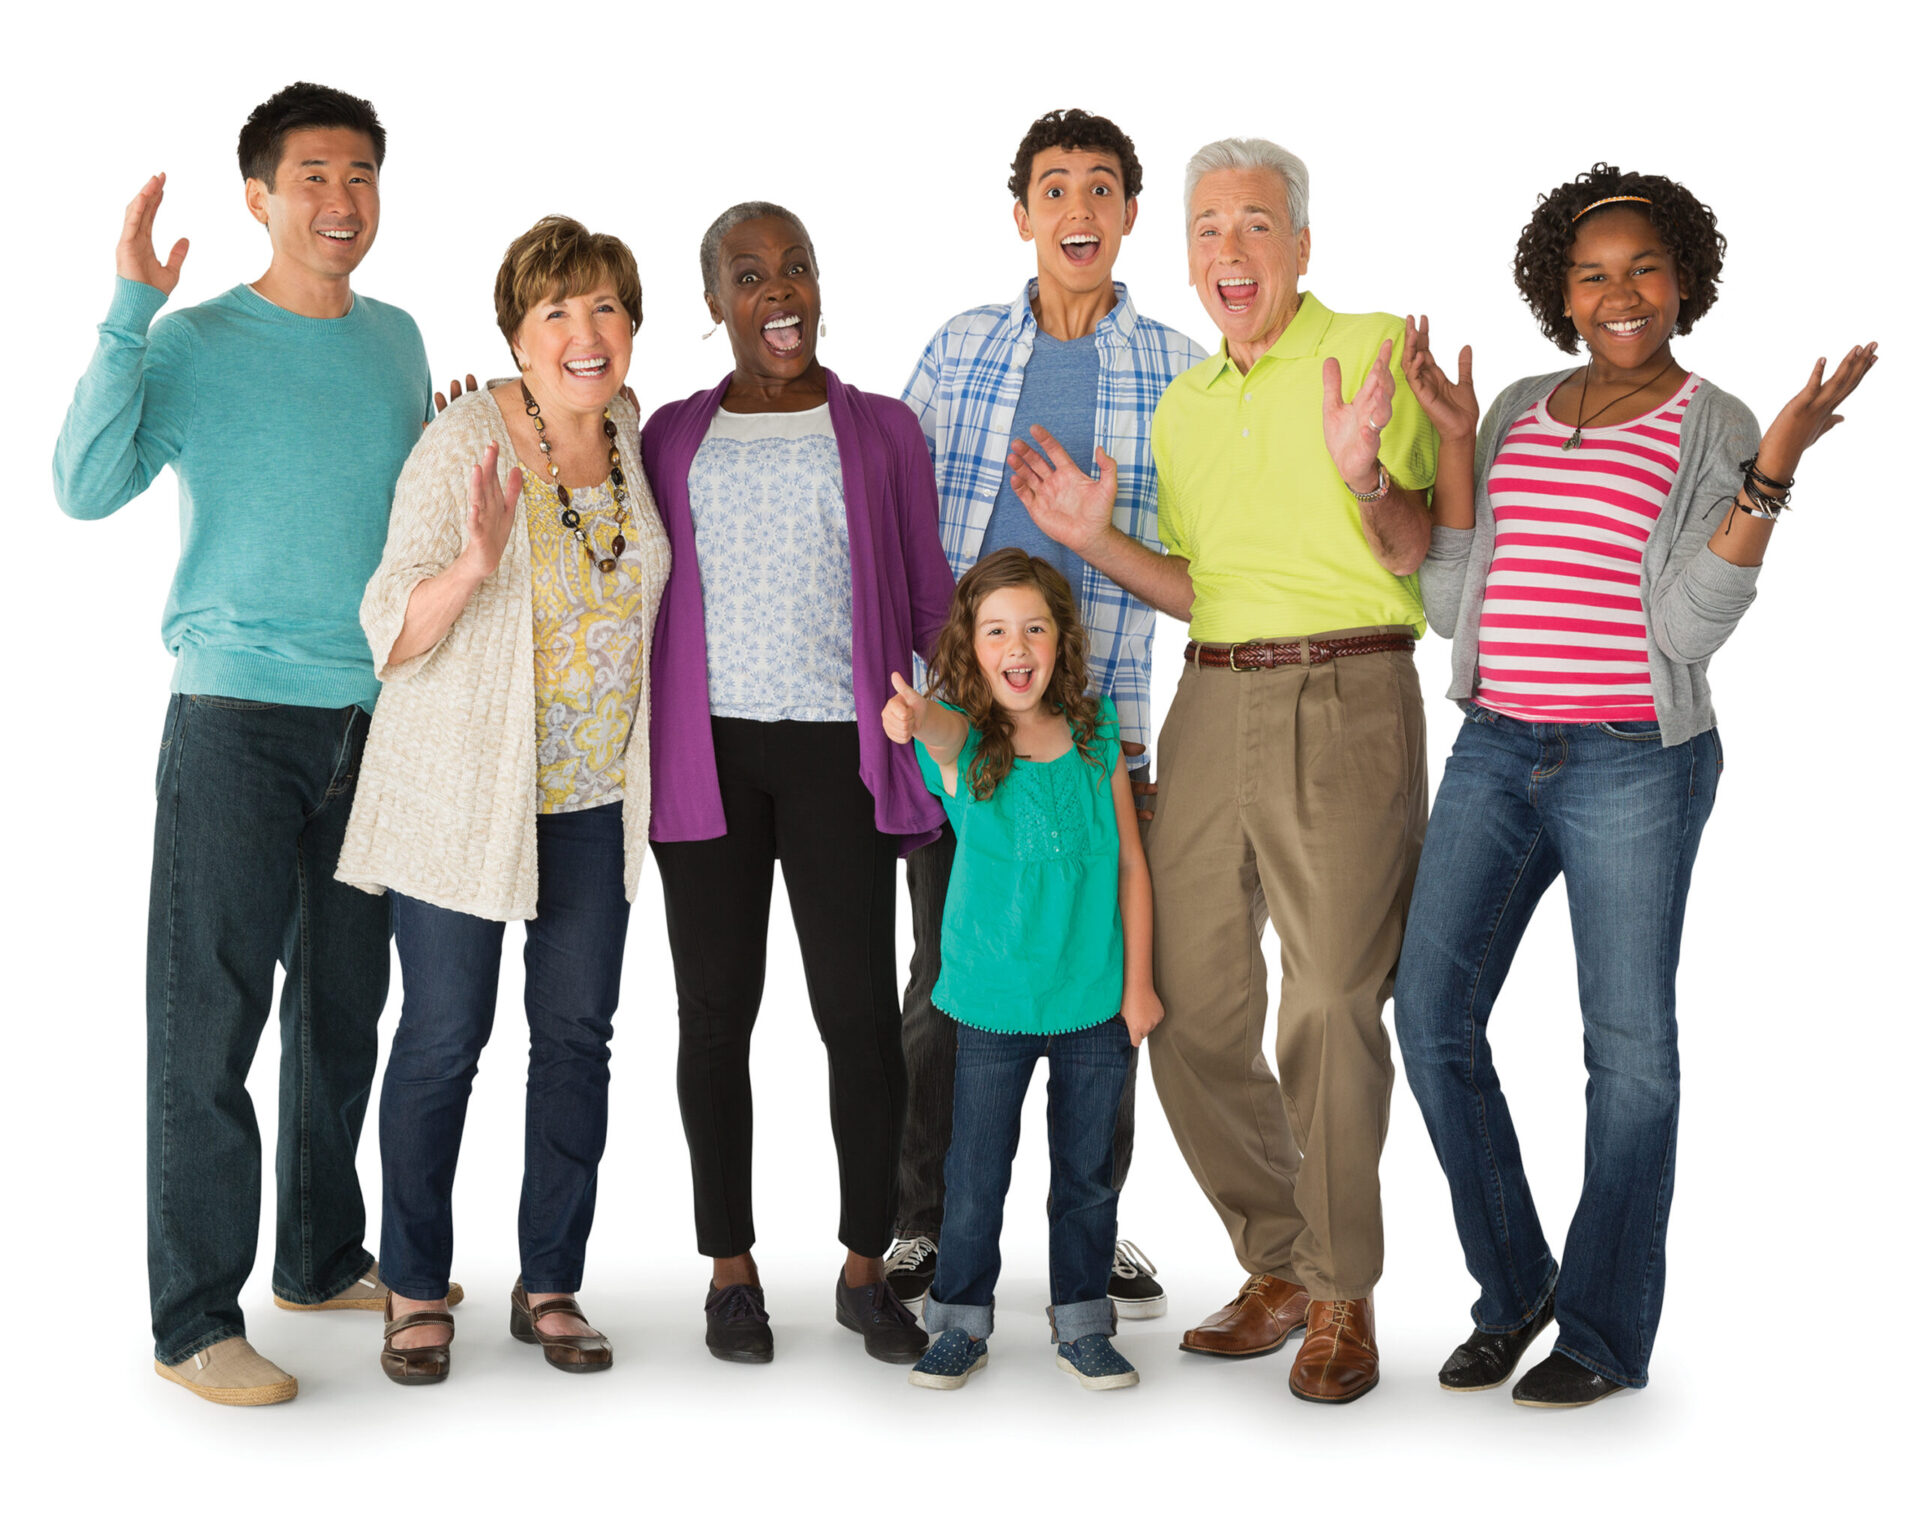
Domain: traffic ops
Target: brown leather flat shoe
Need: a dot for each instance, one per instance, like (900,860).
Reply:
(1338,1359)
(418,1365)
(1267,1312)
(575,1352)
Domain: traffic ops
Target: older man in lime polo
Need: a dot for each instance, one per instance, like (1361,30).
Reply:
(1293,762)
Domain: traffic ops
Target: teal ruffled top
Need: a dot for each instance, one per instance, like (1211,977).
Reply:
(1032,942)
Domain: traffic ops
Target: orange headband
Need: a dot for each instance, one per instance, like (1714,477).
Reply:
(1625,197)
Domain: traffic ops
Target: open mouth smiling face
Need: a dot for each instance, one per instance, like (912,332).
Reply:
(1015,642)
(1623,289)
(1077,212)
(1243,254)
(770,298)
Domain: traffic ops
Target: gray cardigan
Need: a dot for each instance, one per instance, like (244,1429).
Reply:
(1693,597)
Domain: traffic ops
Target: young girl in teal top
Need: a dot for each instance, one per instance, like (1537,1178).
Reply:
(1047,949)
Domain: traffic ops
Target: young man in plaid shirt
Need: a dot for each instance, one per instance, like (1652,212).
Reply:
(1070,353)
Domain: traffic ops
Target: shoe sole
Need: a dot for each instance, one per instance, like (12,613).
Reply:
(234,1397)
(1139,1311)
(946,1383)
(1534,1402)
(1245,1354)
(1098,1383)
(1333,1402)
(740,1356)
(1485,1387)
(845,1320)
(346,1302)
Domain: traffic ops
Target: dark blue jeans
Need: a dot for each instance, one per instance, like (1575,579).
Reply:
(252,804)
(450,977)
(1620,817)
(1087,1072)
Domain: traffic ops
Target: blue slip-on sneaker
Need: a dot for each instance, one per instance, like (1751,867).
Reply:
(955,1356)
(1097,1364)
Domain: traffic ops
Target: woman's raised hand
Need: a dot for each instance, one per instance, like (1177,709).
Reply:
(1809,415)
(489,513)
(1353,427)
(1453,408)
(1064,501)
(904,712)
(135,258)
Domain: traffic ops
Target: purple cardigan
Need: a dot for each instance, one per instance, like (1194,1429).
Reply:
(902,588)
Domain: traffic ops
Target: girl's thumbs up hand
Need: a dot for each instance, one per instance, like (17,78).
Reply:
(904,712)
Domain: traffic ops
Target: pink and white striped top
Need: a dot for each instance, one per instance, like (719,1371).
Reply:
(1563,635)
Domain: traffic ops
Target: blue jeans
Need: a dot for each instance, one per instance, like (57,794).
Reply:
(450,977)
(1620,817)
(251,806)
(1087,1072)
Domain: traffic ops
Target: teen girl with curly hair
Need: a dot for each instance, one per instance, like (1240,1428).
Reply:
(1591,551)
(1046,946)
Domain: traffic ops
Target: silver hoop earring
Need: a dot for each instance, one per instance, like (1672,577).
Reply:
(708,335)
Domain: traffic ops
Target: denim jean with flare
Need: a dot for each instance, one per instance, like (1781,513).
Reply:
(1620,817)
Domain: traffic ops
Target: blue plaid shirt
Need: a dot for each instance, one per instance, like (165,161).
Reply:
(965,393)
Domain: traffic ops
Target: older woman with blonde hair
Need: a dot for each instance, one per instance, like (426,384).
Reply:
(506,776)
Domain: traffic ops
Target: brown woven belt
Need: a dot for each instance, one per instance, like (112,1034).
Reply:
(1252,655)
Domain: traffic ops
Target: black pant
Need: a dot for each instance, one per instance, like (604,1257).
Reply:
(791,791)
(930,1040)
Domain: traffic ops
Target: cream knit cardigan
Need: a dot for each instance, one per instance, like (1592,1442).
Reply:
(446,802)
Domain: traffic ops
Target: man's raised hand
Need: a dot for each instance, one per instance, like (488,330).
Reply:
(1353,427)
(135,258)
(1064,501)
(905,711)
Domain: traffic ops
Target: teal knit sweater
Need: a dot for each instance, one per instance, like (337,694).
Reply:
(286,435)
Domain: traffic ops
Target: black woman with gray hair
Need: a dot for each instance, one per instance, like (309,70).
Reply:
(808,569)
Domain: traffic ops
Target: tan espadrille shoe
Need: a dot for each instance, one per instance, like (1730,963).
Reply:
(231,1372)
(367,1294)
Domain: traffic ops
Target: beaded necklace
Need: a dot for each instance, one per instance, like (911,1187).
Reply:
(570,518)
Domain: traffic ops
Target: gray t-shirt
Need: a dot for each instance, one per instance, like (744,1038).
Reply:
(1058,392)
(776,578)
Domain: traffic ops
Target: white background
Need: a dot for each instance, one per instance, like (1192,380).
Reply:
(1428,133)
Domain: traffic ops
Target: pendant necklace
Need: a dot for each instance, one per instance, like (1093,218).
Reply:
(1581,418)
(569,518)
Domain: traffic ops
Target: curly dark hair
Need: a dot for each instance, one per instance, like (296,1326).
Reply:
(954,672)
(1685,225)
(1070,128)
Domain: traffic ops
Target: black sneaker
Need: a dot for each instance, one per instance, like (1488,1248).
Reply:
(737,1327)
(910,1267)
(1131,1287)
(876,1314)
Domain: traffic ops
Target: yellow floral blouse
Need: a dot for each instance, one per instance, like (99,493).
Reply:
(588,641)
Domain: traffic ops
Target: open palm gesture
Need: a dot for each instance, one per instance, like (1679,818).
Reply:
(1810,415)
(135,258)
(490,512)
(1453,408)
(1353,427)
(1064,501)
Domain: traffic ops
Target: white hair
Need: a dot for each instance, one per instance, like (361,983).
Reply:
(1253,155)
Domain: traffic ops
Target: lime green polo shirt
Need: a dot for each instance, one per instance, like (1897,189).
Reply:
(1250,498)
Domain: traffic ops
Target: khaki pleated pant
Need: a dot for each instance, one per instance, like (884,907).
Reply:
(1300,794)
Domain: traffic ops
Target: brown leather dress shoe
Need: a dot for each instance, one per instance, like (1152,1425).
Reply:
(1267,1312)
(1338,1360)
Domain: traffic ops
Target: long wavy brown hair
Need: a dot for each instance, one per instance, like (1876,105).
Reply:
(954,673)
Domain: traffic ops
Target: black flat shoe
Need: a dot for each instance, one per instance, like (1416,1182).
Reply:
(882,1319)
(1557,1382)
(1487,1359)
(737,1327)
